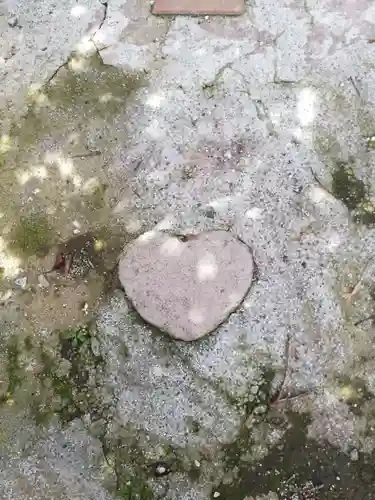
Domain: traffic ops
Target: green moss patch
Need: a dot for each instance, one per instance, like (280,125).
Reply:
(84,93)
(353,193)
(69,393)
(345,186)
(93,85)
(64,382)
(32,235)
(134,488)
(13,370)
(354,393)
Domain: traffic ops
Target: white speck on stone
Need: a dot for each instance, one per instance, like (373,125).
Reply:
(254,213)
(197,463)
(354,455)
(160,469)
(216,494)
(95,346)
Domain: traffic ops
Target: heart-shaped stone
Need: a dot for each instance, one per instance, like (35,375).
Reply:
(186,286)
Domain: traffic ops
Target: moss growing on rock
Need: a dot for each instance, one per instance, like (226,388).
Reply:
(354,393)
(134,488)
(98,88)
(255,405)
(353,193)
(13,369)
(83,90)
(346,187)
(66,383)
(96,199)
(13,365)
(31,236)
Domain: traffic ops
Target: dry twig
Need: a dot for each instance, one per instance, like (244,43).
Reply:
(349,295)
(277,396)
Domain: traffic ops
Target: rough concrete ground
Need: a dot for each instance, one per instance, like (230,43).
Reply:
(114,121)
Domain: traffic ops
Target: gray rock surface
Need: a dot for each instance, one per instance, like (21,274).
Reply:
(186,287)
(115,118)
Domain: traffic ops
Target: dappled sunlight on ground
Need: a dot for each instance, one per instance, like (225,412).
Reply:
(207,268)
(155,100)
(306,106)
(10,265)
(56,186)
(173,129)
(78,10)
(55,161)
(172,248)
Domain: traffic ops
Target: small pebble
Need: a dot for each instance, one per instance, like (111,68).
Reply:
(216,494)
(354,455)
(95,346)
(210,212)
(197,464)
(162,469)
(21,282)
(12,21)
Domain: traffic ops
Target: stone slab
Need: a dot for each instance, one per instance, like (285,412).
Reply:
(186,288)
(199,7)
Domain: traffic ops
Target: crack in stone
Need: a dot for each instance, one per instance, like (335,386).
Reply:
(163,39)
(54,74)
(260,108)
(279,392)
(308,12)
(102,21)
(105,13)
(354,84)
(65,63)
(264,116)
(229,65)
(273,43)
